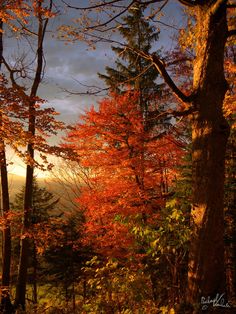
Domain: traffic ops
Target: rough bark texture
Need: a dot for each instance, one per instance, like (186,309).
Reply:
(210,132)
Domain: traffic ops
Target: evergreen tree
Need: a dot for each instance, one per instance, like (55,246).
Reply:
(43,203)
(131,69)
(65,259)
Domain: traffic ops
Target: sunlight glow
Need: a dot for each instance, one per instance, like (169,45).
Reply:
(21,171)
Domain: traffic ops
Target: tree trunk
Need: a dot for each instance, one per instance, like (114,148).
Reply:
(6,233)
(25,241)
(35,268)
(24,255)
(210,131)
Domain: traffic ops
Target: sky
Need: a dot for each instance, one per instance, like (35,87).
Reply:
(69,63)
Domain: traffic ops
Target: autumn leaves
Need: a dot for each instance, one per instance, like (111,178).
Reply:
(131,170)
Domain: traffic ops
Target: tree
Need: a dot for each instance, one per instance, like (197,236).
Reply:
(7,13)
(10,130)
(43,204)
(124,202)
(31,102)
(38,122)
(6,235)
(65,258)
(127,165)
(210,132)
(131,69)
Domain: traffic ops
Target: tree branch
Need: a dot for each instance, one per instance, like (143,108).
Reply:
(112,18)
(151,2)
(190,3)
(111,3)
(11,74)
(90,7)
(217,5)
(155,115)
(91,90)
(159,65)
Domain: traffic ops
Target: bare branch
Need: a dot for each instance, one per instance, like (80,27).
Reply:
(11,73)
(27,30)
(96,6)
(160,66)
(155,115)
(165,24)
(112,18)
(146,3)
(112,3)
(92,90)
(190,3)
(96,90)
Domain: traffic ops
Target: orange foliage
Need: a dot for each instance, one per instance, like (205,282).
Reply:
(130,167)
(14,11)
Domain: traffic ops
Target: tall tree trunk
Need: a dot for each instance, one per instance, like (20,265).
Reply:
(6,233)
(210,132)
(25,243)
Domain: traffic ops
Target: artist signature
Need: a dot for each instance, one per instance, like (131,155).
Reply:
(217,301)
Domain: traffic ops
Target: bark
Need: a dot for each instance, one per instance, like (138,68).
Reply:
(210,132)
(35,268)
(6,233)
(25,243)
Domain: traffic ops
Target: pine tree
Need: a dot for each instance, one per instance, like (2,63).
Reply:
(43,203)
(65,259)
(131,69)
